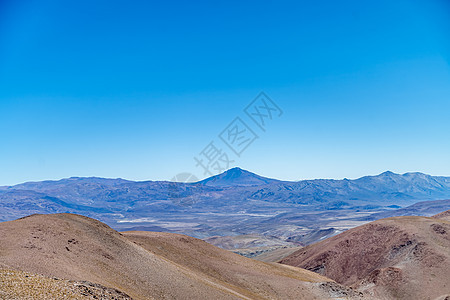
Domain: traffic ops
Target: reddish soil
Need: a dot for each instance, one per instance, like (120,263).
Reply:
(443,215)
(402,257)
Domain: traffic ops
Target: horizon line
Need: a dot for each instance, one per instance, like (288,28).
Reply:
(195,182)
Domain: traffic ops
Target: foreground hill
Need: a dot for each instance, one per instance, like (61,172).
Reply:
(443,215)
(147,265)
(263,279)
(394,258)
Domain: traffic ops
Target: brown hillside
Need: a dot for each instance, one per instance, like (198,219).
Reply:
(77,248)
(401,258)
(240,273)
(443,215)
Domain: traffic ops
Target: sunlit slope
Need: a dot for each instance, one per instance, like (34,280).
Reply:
(401,257)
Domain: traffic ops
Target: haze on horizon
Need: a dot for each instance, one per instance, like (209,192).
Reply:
(114,90)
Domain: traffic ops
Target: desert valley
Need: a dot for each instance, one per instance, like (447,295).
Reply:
(262,239)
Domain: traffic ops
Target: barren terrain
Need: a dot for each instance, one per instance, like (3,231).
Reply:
(400,257)
(145,265)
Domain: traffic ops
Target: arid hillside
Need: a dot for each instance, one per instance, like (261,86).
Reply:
(144,265)
(268,279)
(443,215)
(394,258)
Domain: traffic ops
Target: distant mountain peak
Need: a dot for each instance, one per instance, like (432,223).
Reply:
(388,173)
(237,177)
(236,171)
(409,174)
(417,174)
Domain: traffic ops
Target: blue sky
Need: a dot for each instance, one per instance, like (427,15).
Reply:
(137,89)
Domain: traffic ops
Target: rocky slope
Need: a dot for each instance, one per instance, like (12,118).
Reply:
(443,215)
(394,258)
(23,285)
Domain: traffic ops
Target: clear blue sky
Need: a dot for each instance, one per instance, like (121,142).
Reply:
(136,89)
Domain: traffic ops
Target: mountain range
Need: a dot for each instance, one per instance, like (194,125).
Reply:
(236,202)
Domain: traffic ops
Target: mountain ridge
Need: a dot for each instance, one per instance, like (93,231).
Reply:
(233,170)
(236,202)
